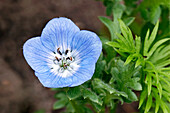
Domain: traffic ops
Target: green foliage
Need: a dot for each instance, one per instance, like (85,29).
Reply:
(129,76)
(114,7)
(73,93)
(155,65)
(63,100)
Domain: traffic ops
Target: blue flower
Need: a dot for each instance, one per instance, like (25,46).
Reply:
(64,55)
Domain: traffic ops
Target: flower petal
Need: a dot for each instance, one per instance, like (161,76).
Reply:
(86,45)
(58,33)
(37,56)
(84,73)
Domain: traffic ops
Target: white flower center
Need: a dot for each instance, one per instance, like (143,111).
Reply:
(64,64)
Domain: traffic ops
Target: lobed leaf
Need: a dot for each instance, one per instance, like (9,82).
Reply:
(146,45)
(131,95)
(100,84)
(149,41)
(126,33)
(134,84)
(87,93)
(73,93)
(127,78)
(155,46)
(60,104)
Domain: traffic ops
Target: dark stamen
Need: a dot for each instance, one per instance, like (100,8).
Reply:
(66,52)
(54,52)
(58,50)
(68,58)
(65,65)
(57,59)
(71,58)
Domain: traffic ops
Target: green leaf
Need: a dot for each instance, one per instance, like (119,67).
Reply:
(115,74)
(60,104)
(149,83)
(155,46)
(161,103)
(128,20)
(111,97)
(163,63)
(158,85)
(155,14)
(146,46)
(157,106)
(101,84)
(149,41)
(70,108)
(164,107)
(113,44)
(111,26)
(110,53)
(131,95)
(100,67)
(73,93)
(127,78)
(138,44)
(148,104)
(123,43)
(112,105)
(126,33)
(133,83)
(118,11)
(63,100)
(139,62)
(87,93)
(142,98)
(109,9)
(60,95)
(97,106)
(129,59)
(78,106)
(166,95)
(162,52)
